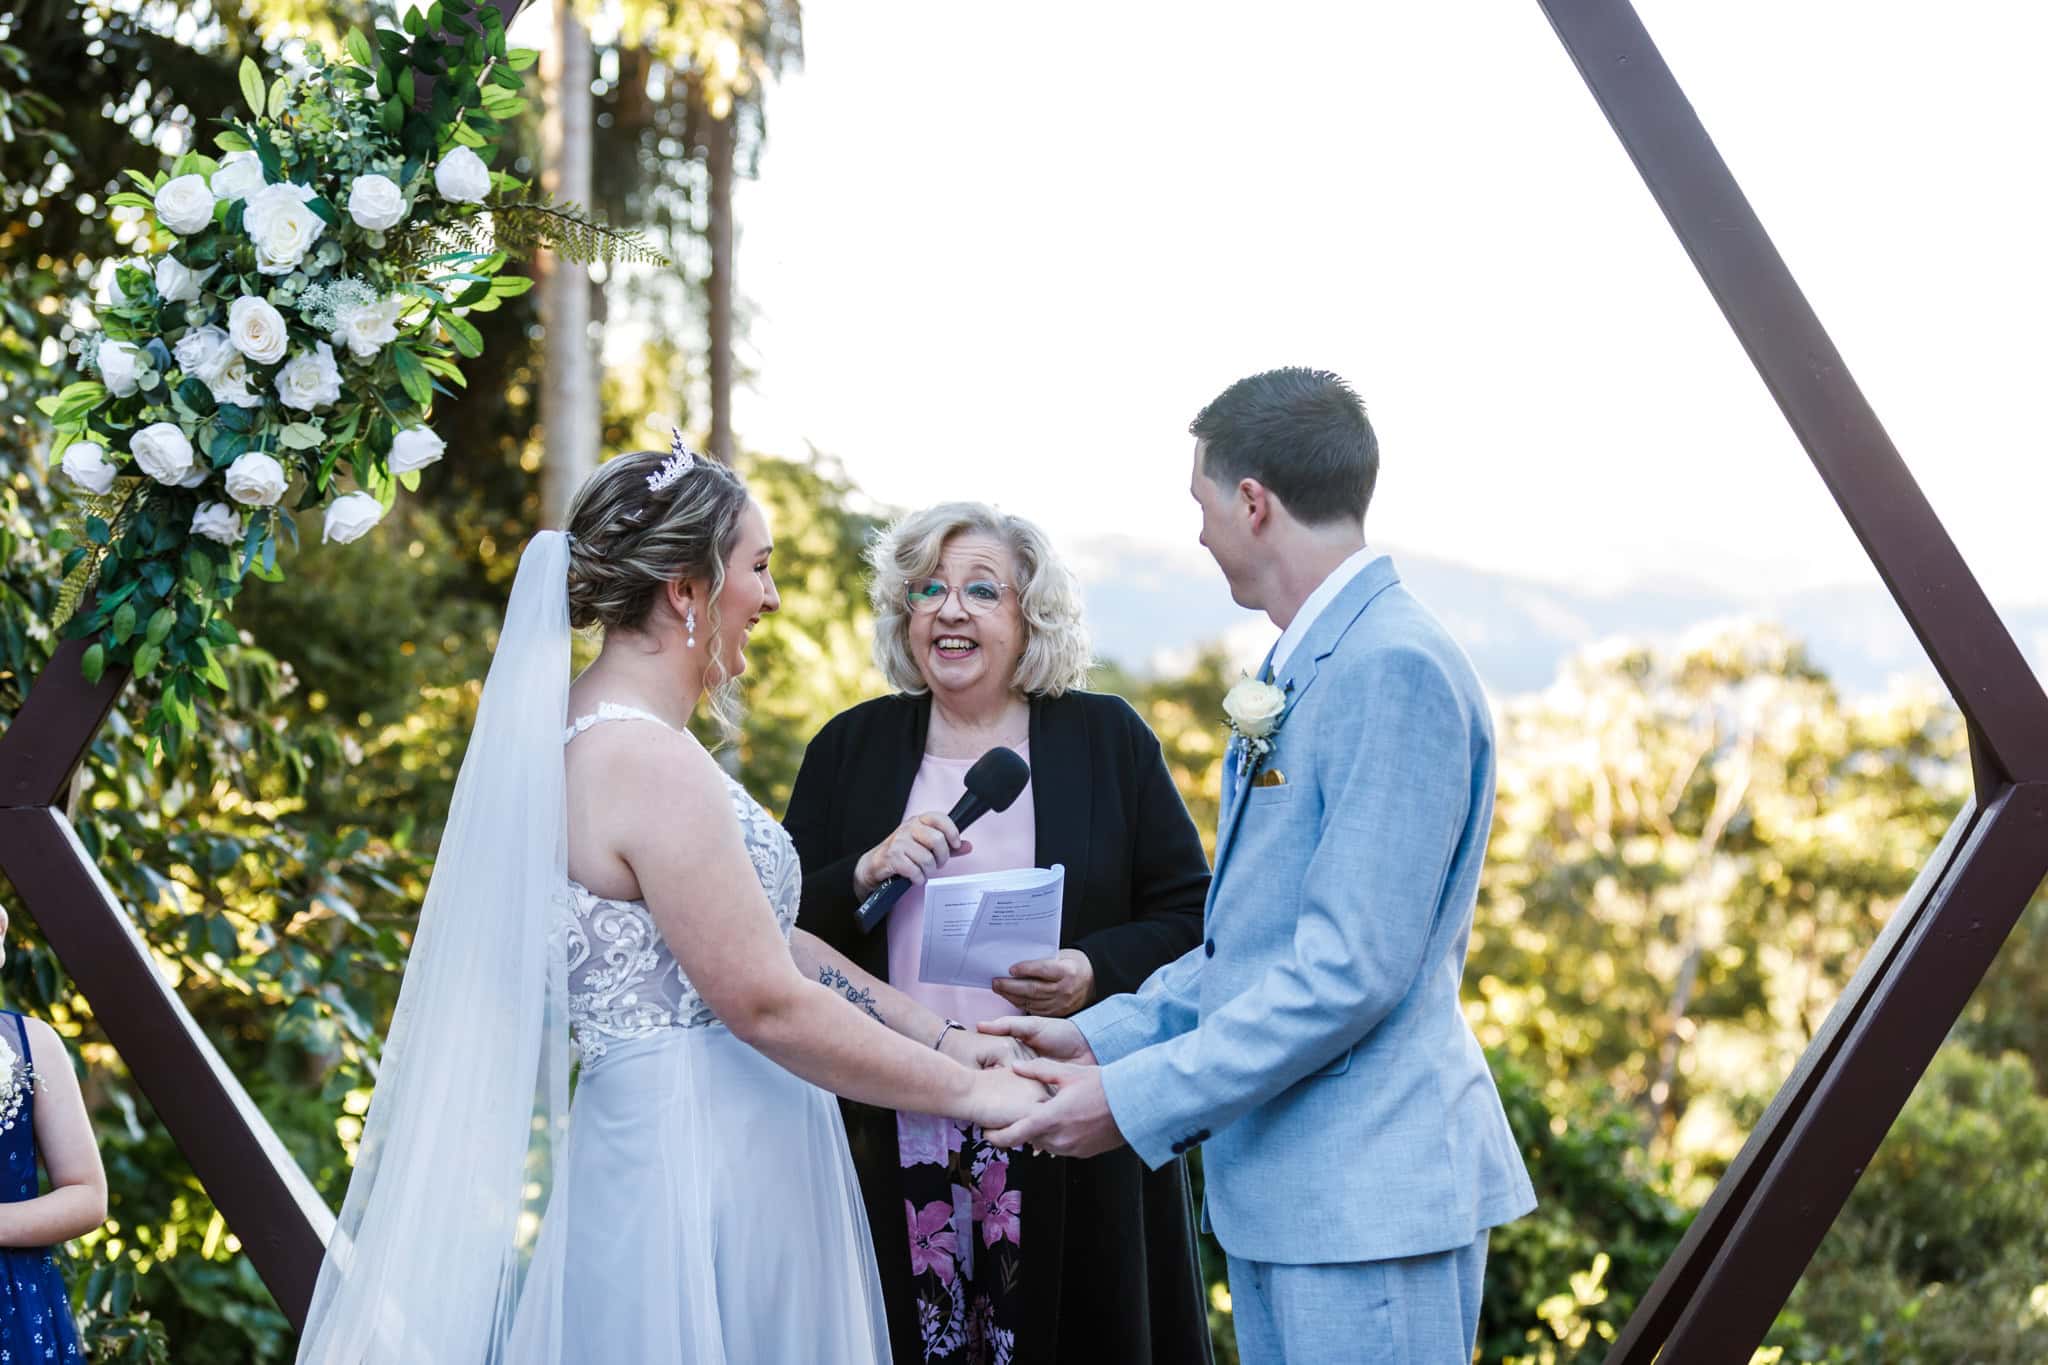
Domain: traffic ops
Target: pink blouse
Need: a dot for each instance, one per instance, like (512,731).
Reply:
(1002,840)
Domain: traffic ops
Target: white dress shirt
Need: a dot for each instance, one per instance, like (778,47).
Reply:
(1318,602)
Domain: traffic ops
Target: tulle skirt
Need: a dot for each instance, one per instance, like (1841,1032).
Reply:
(710,1216)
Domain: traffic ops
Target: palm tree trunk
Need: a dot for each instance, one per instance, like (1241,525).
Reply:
(719,165)
(569,410)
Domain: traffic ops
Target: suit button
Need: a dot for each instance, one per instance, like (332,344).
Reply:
(1209,948)
(1202,1136)
(1179,1147)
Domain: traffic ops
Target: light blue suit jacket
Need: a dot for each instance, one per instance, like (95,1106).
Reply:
(1314,1043)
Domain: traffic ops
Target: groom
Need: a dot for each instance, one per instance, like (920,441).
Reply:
(1355,1150)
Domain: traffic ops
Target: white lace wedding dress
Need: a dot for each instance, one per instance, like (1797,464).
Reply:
(711,1214)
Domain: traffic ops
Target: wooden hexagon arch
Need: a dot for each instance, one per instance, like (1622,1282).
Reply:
(1718,1295)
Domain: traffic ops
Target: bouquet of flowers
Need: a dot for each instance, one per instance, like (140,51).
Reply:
(307,297)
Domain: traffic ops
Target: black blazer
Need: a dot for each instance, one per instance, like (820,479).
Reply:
(1105,805)
(1109,1247)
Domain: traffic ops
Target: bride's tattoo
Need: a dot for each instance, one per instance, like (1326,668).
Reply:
(837,980)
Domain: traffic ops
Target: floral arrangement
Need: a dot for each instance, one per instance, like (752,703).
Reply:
(1253,709)
(307,296)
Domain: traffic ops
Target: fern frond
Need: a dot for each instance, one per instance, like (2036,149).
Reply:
(115,509)
(525,226)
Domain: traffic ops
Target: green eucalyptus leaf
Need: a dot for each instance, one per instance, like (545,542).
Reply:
(252,85)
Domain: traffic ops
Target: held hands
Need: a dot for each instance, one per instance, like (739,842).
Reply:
(1076,1121)
(1055,986)
(981,1051)
(917,849)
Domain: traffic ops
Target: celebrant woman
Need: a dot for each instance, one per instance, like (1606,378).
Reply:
(984,1254)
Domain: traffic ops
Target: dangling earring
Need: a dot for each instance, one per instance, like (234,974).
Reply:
(690,625)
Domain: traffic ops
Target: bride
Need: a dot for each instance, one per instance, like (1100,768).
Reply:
(601,880)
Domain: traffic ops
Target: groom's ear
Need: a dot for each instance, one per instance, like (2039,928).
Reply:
(1256,502)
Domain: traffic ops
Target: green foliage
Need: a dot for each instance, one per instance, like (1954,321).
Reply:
(1942,1251)
(1561,1282)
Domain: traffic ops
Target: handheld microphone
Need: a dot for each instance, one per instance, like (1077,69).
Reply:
(994,781)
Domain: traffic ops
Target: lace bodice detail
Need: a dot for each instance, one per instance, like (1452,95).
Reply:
(623,981)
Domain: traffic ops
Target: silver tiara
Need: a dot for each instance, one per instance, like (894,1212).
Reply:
(681,461)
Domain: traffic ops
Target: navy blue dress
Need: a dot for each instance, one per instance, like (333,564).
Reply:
(35,1309)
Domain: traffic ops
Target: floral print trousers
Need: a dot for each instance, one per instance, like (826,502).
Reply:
(964,1241)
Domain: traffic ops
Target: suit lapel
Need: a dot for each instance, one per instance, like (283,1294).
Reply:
(1318,644)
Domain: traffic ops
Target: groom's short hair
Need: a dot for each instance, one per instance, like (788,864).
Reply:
(1302,433)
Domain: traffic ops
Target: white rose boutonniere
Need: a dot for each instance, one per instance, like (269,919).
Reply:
(1254,711)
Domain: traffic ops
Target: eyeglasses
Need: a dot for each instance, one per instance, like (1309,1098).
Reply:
(980,597)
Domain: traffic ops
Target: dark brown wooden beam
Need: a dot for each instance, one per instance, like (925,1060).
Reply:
(1746,1249)
(273,1209)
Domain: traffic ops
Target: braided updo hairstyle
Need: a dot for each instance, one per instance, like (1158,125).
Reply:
(628,543)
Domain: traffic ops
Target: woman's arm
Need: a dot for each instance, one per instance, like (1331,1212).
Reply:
(896,1011)
(1169,878)
(667,814)
(77,1201)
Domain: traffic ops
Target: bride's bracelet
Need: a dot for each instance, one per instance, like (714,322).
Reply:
(951,1024)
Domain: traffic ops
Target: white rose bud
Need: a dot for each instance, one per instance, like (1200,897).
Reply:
(350,517)
(120,364)
(255,480)
(1254,707)
(217,522)
(231,386)
(310,381)
(240,176)
(185,205)
(367,328)
(85,464)
(462,177)
(282,228)
(178,283)
(415,448)
(203,353)
(162,452)
(257,330)
(375,202)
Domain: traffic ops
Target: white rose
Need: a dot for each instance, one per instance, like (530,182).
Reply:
(120,365)
(415,448)
(462,177)
(185,205)
(1254,707)
(310,381)
(230,387)
(375,202)
(257,330)
(217,522)
(203,353)
(201,472)
(366,328)
(162,452)
(349,517)
(178,283)
(240,176)
(255,480)
(85,464)
(281,226)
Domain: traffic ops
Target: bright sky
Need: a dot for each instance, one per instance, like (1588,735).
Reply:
(1007,250)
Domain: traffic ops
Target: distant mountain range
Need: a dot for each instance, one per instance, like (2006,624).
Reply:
(1149,609)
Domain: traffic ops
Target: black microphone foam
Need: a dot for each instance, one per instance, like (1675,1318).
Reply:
(997,778)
